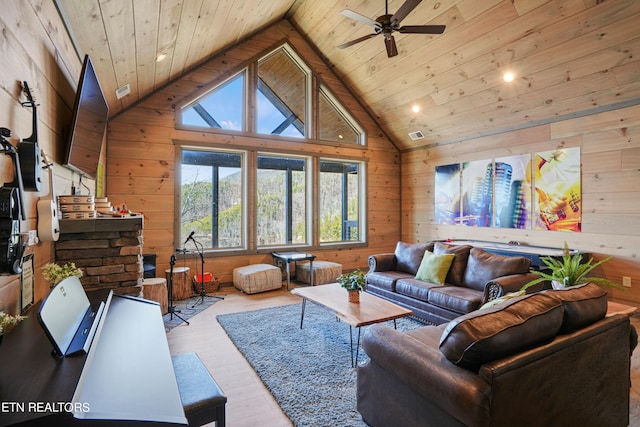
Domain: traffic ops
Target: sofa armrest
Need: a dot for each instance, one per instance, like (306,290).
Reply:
(382,262)
(457,391)
(501,286)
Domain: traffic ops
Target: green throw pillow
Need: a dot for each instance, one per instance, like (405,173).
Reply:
(434,268)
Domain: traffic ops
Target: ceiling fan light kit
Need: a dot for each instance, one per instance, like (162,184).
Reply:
(388,24)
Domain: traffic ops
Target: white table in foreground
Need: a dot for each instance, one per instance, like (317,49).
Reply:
(371,309)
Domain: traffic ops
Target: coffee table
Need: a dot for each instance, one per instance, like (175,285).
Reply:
(335,299)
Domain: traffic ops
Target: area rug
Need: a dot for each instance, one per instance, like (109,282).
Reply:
(307,370)
(186,309)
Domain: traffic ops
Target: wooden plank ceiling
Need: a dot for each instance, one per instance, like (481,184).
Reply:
(569,57)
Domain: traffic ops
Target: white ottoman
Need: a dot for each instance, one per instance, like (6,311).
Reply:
(323,272)
(255,278)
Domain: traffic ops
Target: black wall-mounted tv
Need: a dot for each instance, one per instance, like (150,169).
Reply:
(88,125)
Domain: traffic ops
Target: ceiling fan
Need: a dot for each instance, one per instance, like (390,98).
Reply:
(387,24)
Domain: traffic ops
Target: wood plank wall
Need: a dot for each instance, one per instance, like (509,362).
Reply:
(610,151)
(141,159)
(35,47)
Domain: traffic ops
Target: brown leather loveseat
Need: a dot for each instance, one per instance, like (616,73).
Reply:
(473,278)
(546,359)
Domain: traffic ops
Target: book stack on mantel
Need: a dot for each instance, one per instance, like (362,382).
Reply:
(77,206)
(103,206)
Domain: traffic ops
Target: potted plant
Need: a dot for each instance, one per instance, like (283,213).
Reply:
(7,322)
(570,271)
(353,282)
(54,273)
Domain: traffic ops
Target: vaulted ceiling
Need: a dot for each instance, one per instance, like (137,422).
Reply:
(568,57)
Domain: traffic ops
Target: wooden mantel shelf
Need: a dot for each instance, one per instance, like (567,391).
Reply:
(125,223)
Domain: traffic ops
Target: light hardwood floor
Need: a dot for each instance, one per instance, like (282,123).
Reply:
(249,403)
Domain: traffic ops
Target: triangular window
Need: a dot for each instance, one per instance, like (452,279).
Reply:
(221,107)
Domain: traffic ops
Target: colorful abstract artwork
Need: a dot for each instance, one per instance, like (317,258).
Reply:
(513,191)
(477,193)
(557,195)
(541,192)
(447,196)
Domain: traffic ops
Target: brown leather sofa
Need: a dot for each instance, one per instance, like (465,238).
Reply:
(546,359)
(474,278)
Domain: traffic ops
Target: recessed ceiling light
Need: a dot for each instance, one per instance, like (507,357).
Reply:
(161,57)
(415,108)
(508,77)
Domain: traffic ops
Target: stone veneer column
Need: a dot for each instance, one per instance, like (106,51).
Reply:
(108,250)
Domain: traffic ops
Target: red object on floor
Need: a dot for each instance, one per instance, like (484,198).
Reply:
(208,277)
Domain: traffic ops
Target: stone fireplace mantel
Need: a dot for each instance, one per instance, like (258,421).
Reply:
(107,249)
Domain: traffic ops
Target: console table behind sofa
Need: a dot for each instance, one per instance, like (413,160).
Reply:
(533,253)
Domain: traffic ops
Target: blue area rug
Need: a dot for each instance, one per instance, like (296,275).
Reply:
(186,309)
(307,370)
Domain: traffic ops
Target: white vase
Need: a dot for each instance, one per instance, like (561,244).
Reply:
(556,284)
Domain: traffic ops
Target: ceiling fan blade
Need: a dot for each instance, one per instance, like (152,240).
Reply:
(358,40)
(357,17)
(390,42)
(404,10)
(422,29)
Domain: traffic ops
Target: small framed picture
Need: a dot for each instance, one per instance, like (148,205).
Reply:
(27,282)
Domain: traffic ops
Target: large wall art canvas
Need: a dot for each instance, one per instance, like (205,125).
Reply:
(447,196)
(513,191)
(557,195)
(477,193)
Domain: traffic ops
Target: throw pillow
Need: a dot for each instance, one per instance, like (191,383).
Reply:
(483,266)
(482,336)
(434,268)
(583,305)
(456,272)
(503,299)
(408,256)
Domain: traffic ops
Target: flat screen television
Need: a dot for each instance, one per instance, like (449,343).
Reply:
(88,125)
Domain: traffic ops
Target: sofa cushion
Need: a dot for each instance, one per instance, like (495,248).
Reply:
(434,267)
(386,279)
(459,264)
(409,256)
(455,298)
(483,266)
(583,305)
(415,288)
(494,333)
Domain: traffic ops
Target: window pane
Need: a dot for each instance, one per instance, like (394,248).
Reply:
(281,201)
(211,194)
(221,108)
(282,86)
(332,123)
(339,201)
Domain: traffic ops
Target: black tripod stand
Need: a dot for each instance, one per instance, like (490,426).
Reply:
(203,292)
(171,309)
